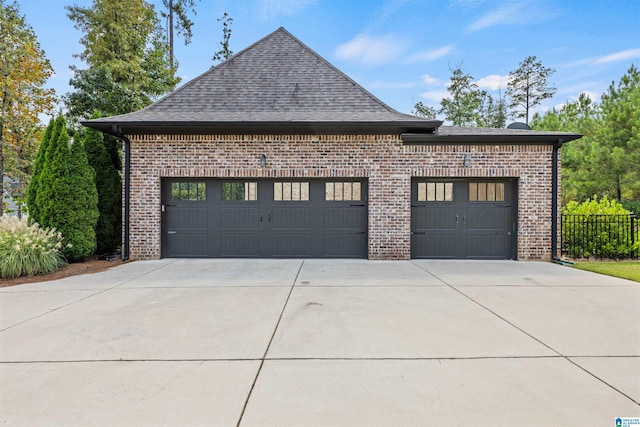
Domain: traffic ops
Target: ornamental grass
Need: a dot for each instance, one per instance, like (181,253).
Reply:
(28,250)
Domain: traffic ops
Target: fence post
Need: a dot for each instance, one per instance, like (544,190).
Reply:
(633,217)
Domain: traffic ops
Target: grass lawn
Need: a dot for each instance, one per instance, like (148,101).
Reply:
(623,269)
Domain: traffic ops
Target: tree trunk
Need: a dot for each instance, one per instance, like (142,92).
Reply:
(173,66)
(1,169)
(618,189)
(4,110)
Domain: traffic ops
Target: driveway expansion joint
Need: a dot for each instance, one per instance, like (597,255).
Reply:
(560,355)
(264,356)
(101,291)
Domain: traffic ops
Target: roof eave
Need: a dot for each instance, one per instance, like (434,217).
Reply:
(272,127)
(520,138)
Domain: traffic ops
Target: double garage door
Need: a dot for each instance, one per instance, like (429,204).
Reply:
(328,218)
(264,218)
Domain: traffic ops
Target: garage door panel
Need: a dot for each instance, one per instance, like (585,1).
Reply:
(344,245)
(433,245)
(488,246)
(240,244)
(486,218)
(185,244)
(291,245)
(240,218)
(290,218)
(434,218)
(347,217)
(187,217)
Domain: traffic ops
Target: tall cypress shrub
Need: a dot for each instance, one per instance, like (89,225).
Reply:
(109,226)
(83,204)
(53,186)
(67,197)
(32,187)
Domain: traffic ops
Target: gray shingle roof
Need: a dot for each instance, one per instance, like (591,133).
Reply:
(279,85)
(276,80)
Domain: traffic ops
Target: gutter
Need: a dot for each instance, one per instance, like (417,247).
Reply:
(115,130)
(554,204)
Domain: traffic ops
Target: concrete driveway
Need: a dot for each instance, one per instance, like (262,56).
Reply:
(321,342)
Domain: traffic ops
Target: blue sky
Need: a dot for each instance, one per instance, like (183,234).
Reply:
(402,50)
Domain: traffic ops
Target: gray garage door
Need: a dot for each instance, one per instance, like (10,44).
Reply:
(463,219)
(264,218)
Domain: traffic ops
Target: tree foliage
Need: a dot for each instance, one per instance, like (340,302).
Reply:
(34,182)
(468,105)
(177,13)
(24,70)
(108,184)
(461,108)
(528,86)
(606,160)
(492,113)
(126,54)
(83,205)
(421,110)
(225,52)
(64,195)
(620,135)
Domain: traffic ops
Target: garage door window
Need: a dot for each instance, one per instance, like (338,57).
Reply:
(343,191)
(239,190)
(486,191)
(290,191)
(189,191)
(435,191)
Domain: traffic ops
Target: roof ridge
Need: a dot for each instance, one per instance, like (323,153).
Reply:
(215,67)
(333,67)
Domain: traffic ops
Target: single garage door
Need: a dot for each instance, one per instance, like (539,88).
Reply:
(463,219)
(264,218)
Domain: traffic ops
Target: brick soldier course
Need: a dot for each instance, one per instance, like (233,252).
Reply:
(279,99)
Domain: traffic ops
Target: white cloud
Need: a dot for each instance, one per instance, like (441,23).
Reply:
(434,95)
(430,80)
(493,82)
(525,13)
(270,9)
(430,55)
(594,96)
(370,50)
(624,55)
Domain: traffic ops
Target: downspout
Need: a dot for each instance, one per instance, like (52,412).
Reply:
(554,203)
(127,179)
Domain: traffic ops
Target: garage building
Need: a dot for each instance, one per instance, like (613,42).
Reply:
(276,153)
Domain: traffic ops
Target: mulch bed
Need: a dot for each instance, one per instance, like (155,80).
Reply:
(87,267)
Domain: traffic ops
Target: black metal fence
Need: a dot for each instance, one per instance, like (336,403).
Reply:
(600,236)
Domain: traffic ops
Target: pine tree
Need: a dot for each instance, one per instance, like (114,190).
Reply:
(32,188)
(108,228)
(82,201)
(528,86)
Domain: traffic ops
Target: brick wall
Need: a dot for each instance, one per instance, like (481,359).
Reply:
(388,164)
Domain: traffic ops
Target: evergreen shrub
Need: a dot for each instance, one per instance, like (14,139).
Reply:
(600,228)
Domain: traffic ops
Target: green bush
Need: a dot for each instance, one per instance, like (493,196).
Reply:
(598,228)
(28,249)
(109,226)
(632,205)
